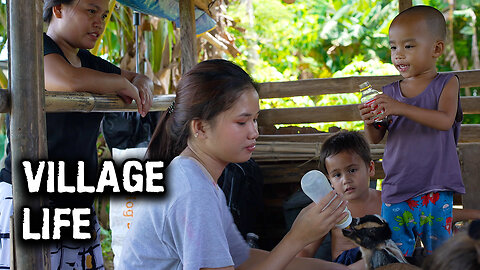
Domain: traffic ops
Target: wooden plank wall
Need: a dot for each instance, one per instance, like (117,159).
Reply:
(285,158)
(269,117)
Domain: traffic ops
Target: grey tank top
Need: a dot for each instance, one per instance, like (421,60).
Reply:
(419,159)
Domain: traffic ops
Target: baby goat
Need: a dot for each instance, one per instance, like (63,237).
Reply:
(373,235)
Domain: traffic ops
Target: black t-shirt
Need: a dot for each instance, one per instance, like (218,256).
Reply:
(71,136)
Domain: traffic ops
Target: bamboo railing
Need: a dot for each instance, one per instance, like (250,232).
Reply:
(275,148)
(87,102)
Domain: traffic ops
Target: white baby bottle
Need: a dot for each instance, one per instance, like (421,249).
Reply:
(316,186)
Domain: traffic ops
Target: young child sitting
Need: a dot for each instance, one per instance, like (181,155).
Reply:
(346,161)
(420,162)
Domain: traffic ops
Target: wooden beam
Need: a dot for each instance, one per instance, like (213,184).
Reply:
(292,172)
(309,115)
(315,87)
(268,117)
(469,133)
(187,34)
(404,4)
(278,166)
(287,151)
(469,154)
(215,42)
(470,105)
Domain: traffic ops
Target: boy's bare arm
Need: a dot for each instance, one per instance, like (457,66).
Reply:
(257,256)
(373,134)
(360,265)
(441,119)
(465,214)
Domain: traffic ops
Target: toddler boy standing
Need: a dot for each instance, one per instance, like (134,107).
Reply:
(421,165)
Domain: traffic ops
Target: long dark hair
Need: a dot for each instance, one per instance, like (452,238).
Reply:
(49,4)
(209,88)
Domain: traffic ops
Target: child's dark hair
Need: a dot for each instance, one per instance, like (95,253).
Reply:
(209,88)
(49,4)
(345,141)
(432,16)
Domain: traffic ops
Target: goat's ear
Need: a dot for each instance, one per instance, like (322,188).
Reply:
(380,218)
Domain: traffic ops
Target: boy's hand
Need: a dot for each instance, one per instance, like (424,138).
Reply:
(388,105)
(367,113)
(145,91)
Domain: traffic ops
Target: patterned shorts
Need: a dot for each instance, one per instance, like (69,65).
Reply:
(427,216)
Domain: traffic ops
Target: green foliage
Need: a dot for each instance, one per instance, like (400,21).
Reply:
(162,35)
(3,39)
(106,242)
(335,38)
(119,35)
(3,25)
(471,119)
(315,37)
(3,142)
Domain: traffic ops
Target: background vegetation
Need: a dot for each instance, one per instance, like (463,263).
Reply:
(320,39)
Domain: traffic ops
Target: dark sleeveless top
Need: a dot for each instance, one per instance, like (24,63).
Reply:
(419,159)
(71,136)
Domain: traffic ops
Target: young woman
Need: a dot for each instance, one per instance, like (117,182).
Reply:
(73,27)
(212,122)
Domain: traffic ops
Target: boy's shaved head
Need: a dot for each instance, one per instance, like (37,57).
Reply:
(431,16)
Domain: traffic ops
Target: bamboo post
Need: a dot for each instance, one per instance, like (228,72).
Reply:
(27,126)
(187,35)
(404,4)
